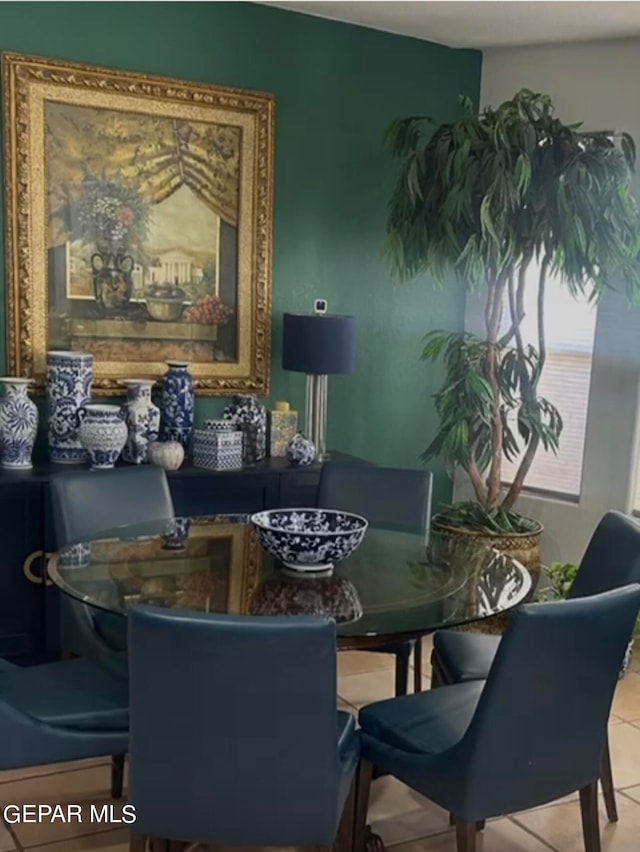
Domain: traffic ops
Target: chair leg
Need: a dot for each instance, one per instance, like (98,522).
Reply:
(117,775)
(606,779)
(465,836)
(363,787)
(417,666)
(480,823)
(344,840)
(402,673)
(590,821)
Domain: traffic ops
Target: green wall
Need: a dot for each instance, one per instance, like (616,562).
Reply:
(337,86)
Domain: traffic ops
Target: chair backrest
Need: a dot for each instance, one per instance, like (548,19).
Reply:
(612,557)
(389,497)
(87,502)
(539,729)
(233,726)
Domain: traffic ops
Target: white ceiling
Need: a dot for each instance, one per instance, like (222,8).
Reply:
(485,24)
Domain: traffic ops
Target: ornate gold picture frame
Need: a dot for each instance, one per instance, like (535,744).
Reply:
(138,224)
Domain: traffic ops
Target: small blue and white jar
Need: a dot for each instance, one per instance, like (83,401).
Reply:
(18,424)
(142,418)
(178,400)
(69,377)
(249,416)
(75,556)
(176,533)
(300,450)
(103,434)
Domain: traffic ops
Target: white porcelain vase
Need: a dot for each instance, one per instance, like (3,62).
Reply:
(18,424)
(103,434)
(142,418)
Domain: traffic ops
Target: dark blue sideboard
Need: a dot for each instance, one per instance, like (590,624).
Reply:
(29,627)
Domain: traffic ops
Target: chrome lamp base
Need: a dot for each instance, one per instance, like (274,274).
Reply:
(316,414)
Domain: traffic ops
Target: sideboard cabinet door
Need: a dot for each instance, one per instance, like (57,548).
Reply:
(22,578)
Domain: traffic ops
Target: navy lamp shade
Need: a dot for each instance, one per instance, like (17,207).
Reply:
(318,344)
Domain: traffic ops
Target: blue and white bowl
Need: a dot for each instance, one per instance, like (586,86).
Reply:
(309,540)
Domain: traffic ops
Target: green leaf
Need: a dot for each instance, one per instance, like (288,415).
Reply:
(486,221)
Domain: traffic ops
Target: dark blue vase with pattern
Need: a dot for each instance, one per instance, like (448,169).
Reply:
(68,389)
(177,403)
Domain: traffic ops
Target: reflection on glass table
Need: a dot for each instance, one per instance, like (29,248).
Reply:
(394,585)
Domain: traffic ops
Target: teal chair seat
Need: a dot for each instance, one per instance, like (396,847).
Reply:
(60,711)
(75,695)
(427,722)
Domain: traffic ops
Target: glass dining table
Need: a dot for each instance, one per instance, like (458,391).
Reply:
(396,585)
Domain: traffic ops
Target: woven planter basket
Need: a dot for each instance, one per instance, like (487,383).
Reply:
(524,547)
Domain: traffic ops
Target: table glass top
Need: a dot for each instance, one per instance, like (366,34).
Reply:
(394,584)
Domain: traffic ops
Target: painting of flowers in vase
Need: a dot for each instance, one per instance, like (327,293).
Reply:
(155,202)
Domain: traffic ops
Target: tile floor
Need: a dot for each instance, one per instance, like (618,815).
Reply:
(406,821)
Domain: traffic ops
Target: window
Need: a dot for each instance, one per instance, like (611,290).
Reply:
(570,329)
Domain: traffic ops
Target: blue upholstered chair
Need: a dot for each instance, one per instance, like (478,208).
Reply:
(85,503)
(531,733)
(611,560)
(221,756)
(392,498)
(60,711)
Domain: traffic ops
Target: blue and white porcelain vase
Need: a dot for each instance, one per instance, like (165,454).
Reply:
(142,418)
(246,413)
(18,424)
(69,376)
(177,403)
(103,434)
(300,450)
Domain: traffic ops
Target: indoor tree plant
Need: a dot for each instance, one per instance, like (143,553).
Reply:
(485,197)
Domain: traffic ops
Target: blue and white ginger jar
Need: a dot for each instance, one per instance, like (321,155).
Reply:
(18,424)
(69,376)
(300,450)
(142,418)
(177,403)
(103,434)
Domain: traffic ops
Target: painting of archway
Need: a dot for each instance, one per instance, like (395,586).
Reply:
(149,236)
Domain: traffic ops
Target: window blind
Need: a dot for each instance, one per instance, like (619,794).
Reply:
(570,330)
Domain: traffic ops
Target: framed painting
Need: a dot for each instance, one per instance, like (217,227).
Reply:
(138,224)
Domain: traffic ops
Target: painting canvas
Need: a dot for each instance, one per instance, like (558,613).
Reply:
(147,226)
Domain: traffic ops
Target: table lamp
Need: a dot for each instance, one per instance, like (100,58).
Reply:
(318,344)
